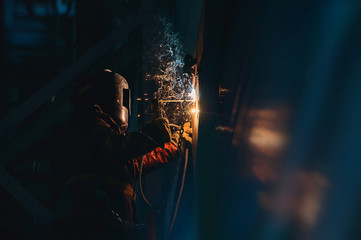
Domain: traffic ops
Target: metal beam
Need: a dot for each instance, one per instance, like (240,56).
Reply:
(25,198)
(85,62)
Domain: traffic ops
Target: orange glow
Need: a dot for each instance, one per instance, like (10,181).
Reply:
(195,110)
(266,138)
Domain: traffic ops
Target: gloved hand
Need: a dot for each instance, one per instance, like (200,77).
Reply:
(158,130)
(186,136)
(187,132)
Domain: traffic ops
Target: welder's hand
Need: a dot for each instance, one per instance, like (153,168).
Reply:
(158,130)
(187,132)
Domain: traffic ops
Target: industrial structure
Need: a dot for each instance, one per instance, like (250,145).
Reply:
(271,89)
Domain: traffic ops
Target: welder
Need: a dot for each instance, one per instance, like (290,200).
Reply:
(101,161)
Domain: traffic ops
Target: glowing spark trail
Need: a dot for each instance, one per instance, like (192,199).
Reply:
(175,93)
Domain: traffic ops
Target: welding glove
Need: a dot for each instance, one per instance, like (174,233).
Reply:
(158,130)
(187,132)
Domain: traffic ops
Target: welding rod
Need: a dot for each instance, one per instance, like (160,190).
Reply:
(165,101)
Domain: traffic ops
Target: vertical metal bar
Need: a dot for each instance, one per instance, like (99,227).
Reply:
(209,154)
(25,198)
(74,32)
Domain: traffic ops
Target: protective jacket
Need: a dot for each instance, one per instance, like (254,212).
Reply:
(100,166)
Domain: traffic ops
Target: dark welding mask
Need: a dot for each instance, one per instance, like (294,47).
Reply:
(110,91)
(115,97)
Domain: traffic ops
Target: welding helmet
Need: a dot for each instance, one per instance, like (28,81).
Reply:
(113,96)
(110,91)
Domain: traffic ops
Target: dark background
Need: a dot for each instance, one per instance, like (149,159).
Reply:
(278,151)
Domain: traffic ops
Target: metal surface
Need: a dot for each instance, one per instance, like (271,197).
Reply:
(195,120)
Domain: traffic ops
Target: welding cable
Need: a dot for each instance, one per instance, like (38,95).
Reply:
(103,196)
(142,163)
(140,182)
(162,113)
(127,224)
(180,191)
(174,125)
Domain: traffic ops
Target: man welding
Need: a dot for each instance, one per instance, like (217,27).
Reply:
(101,161)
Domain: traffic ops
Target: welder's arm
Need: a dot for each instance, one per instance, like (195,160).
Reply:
(115,146)
(158,157)
(161,156)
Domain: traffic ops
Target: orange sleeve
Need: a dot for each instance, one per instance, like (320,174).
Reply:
(156,158)
(112,145)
